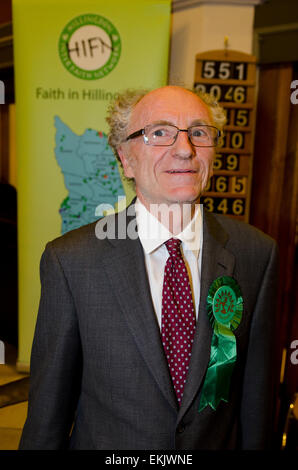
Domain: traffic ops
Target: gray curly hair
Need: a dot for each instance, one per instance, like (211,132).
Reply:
(119,114)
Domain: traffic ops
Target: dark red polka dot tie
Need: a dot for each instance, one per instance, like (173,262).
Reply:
(178,316)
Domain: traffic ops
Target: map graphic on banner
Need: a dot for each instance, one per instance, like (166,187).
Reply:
(90,172)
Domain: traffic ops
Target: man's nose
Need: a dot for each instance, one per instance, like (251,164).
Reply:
(183,146)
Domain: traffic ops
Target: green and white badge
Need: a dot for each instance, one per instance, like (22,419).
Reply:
(224,308)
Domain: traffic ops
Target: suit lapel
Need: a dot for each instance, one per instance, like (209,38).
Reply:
(126,269)
(216,262)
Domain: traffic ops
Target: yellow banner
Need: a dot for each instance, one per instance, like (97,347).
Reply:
(71,58)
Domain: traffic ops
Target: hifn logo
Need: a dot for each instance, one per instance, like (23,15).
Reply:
(89,46)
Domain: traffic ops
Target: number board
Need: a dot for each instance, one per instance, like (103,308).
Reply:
(230,76)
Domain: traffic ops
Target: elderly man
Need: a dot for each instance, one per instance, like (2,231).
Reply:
(162,340)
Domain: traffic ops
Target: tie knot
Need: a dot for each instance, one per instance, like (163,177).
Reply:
(173,246)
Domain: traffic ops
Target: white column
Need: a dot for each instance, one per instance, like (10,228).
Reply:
(200,26)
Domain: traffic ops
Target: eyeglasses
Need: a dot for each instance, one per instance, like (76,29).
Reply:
(166,135)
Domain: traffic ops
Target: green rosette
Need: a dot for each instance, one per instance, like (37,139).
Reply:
(224,308)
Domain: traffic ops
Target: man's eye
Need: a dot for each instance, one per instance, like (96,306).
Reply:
(199,133)
(159,133)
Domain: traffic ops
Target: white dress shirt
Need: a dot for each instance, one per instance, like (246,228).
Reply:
(153,235)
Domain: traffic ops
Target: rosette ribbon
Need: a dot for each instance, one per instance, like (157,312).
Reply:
(224,308)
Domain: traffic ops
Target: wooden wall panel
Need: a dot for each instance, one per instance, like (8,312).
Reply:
(274,208)
(270,147)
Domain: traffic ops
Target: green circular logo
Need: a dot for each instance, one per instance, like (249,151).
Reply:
(224,304)
(90,47)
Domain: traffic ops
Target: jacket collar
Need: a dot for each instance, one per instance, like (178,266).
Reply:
(125,267)
(216,261)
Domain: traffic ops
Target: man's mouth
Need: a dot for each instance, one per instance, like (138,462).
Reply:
(180,171)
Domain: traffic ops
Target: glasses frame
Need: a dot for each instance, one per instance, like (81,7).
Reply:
(142,132)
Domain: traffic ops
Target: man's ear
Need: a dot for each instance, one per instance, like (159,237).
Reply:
(125,160)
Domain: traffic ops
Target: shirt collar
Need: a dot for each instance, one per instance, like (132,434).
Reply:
(153,234)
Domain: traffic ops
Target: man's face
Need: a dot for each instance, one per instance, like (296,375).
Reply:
(174,174)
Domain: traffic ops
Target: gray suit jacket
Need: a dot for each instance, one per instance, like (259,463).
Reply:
(98,363)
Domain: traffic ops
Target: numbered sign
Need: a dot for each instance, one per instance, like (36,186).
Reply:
(230,76)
